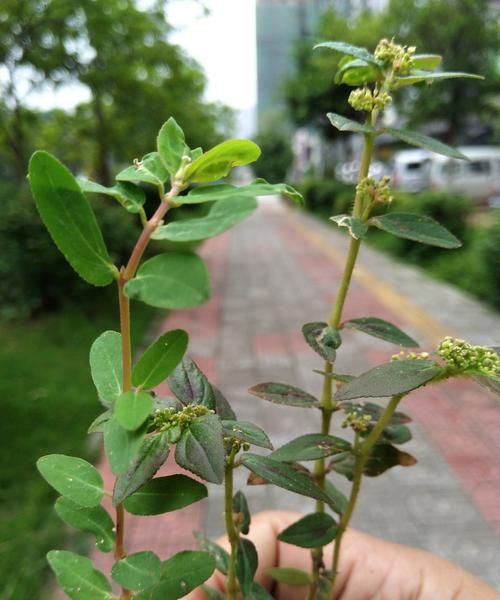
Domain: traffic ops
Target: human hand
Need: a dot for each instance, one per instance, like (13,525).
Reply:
(370,569)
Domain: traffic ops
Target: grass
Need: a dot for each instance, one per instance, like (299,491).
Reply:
(47,402)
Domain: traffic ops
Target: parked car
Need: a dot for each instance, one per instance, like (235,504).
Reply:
(348,172)
(410,170)
(478,177)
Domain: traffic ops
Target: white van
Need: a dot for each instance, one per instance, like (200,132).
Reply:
(478,177)
(410,170)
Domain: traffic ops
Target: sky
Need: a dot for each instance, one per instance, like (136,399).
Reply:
(223,42)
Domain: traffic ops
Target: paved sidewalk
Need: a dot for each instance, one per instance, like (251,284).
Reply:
(278,270)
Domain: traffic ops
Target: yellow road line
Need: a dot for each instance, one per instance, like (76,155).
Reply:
(433,330)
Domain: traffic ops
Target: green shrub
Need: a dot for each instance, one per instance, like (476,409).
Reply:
(326,197)
(33,274)
(277,155)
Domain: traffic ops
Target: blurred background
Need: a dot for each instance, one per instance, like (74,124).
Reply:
(92,81)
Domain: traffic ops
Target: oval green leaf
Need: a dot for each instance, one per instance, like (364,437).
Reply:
(415,138)
(180,574)
(220,555)
(106,366)
(190,385)
(349,50)
(201,449)
(171,281)
(127,194)
(218,162)
(381,329)
(281,393)
(240,508)
(416,76)
(133,408)
(137,571)
(390,379)
(94,520)
(310,447)
(77,576)
(172,145)
(345,124)
(149,170)
(246,432)
(419,228)
(312,531)
(165,494)
(121,445)
(223,191)
(69,219)
(150,457)
(72,477)
(246,564)
(160,359)
(323,339)
(426,61)
(222,215)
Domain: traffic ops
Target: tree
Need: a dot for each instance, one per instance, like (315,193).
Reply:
(121,54)
(467,34)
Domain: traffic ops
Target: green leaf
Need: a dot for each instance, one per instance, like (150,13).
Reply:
(323,339)
(284,476)
(171,281)
(260,187)
(310,447)
(149,170)
(133,408)
(416,76)
(349,50)
(426,61)
(356,72)
(419,228)
(160,359)
(381,329)
(121,445)
(195,153)
(246,432)
(345,124)
(106,366)
(97,425)
(357,228)
(415,138)
(137,571)
(150,457)
(190,385)
(201,449)
(127,194)
(257,592)
(72,477)
(312,531)
(222,215)
(165,494)
(246,564)
(222,406)
(77,576)
(241,510)
(390,379)
(281,393)
(94,520)
(290,576)
(172,145)
(339,501)
(69,219)
(382,457)
(397,434)
(180,574)
(218,162)
(220,555)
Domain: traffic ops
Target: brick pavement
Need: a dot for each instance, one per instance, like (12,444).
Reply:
(278,270)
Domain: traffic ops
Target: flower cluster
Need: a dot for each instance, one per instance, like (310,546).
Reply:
(378,192)
(174,422)
(400,58)
(410,356)
(366,99)
(357,421)
(461,357)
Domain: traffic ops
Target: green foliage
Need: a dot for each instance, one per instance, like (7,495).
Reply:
(310,531)
(290,576)
(281,393)
(246,432)
(418,228)
(381,329)
(77,576)
(323,339)
(310,447)
(277,154)
(137,571)
(326,197)
(218,161)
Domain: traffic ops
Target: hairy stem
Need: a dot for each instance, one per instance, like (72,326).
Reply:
(232,534)
(127,273)
(362,451)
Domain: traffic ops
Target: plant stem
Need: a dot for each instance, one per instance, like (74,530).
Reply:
(327,405)
(232,534)
(362,452)
(127,273)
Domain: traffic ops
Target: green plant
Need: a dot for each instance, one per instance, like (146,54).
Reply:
(139,428)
